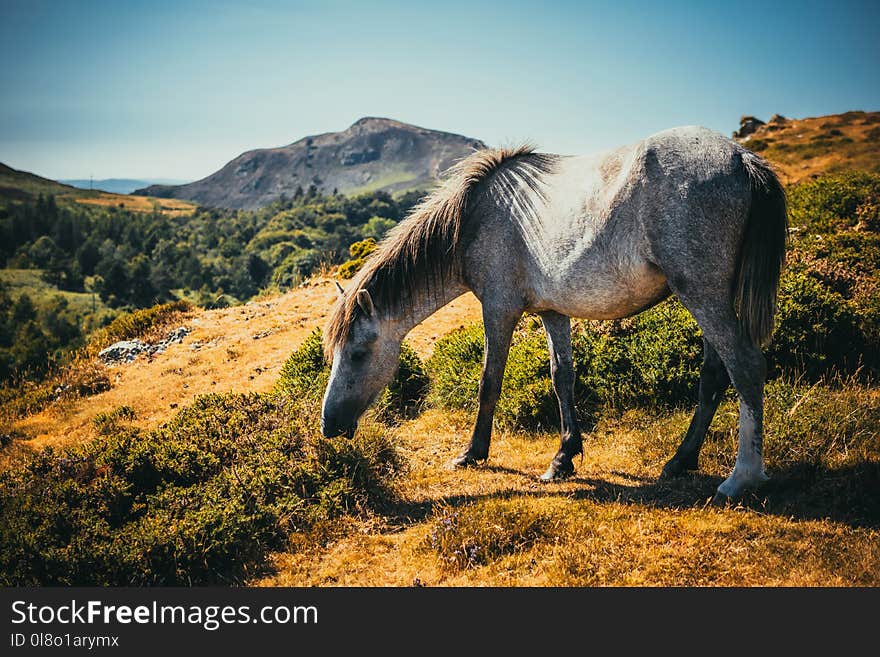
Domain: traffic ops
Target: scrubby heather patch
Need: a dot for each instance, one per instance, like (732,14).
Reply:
(198,501)
(527,397)
(818,332)
(304,374)
(832,203)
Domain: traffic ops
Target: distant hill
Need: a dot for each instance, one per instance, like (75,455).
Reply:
(21,185)
(372,154)
(805,148)
(119,185)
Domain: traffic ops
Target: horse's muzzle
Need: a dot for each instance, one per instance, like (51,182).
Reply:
(331,429)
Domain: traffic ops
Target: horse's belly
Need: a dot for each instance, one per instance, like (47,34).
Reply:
(603,292)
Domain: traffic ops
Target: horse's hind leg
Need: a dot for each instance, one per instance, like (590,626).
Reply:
(499,330)
(747,369)
(558,329)
(713,382)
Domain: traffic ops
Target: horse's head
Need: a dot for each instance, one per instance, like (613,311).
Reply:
(363,364)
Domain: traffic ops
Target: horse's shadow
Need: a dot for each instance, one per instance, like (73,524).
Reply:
(847,495)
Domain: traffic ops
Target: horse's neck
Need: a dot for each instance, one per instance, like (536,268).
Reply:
(423,304)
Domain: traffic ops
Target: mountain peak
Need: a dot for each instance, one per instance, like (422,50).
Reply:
(374,153)
(366,121)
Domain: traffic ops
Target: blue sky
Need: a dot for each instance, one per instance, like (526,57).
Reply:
(176,89)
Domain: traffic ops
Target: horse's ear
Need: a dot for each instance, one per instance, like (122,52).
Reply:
(365,301)
(339,289)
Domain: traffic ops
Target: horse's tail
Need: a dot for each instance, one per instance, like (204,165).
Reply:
(762,253)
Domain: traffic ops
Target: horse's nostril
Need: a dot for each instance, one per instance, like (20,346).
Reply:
(331,429)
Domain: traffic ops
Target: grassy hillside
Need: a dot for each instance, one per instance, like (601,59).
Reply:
(32,283)
(23,186)
(804,148)
(18,185)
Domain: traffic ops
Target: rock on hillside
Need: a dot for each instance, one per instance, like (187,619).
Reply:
(373,154)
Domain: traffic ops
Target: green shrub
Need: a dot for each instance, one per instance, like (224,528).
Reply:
(831,203)
(817,331)
(652,358)
(527,396)
(359,252)
(199,501)
(109,421)
(455,368)
(305,374)
(408,388)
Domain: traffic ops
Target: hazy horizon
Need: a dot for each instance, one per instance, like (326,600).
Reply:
(174,90)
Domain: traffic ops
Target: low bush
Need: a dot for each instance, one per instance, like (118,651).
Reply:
(527,397)
(831,203)
(818,332)
(199,501)
(359,251)
(304,374)
(108,422)
(650,359)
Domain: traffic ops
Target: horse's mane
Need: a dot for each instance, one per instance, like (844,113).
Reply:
(423,249)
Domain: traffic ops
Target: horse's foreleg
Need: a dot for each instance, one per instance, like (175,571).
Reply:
(713,382)
(499,330)
(558,329)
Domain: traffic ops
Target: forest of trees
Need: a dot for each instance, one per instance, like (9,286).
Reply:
(134,259)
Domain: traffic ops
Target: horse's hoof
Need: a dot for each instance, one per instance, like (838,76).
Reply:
(677,468)
(721,500)
(737,484)
(558,471)
(467,460)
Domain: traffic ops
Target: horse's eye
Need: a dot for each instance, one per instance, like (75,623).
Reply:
(358,356)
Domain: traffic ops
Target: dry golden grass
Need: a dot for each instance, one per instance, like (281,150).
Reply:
(613,524)
(167,206)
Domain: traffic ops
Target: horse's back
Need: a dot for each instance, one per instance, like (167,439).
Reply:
(607,223)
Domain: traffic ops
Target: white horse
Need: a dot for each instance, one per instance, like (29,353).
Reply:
(685,211)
